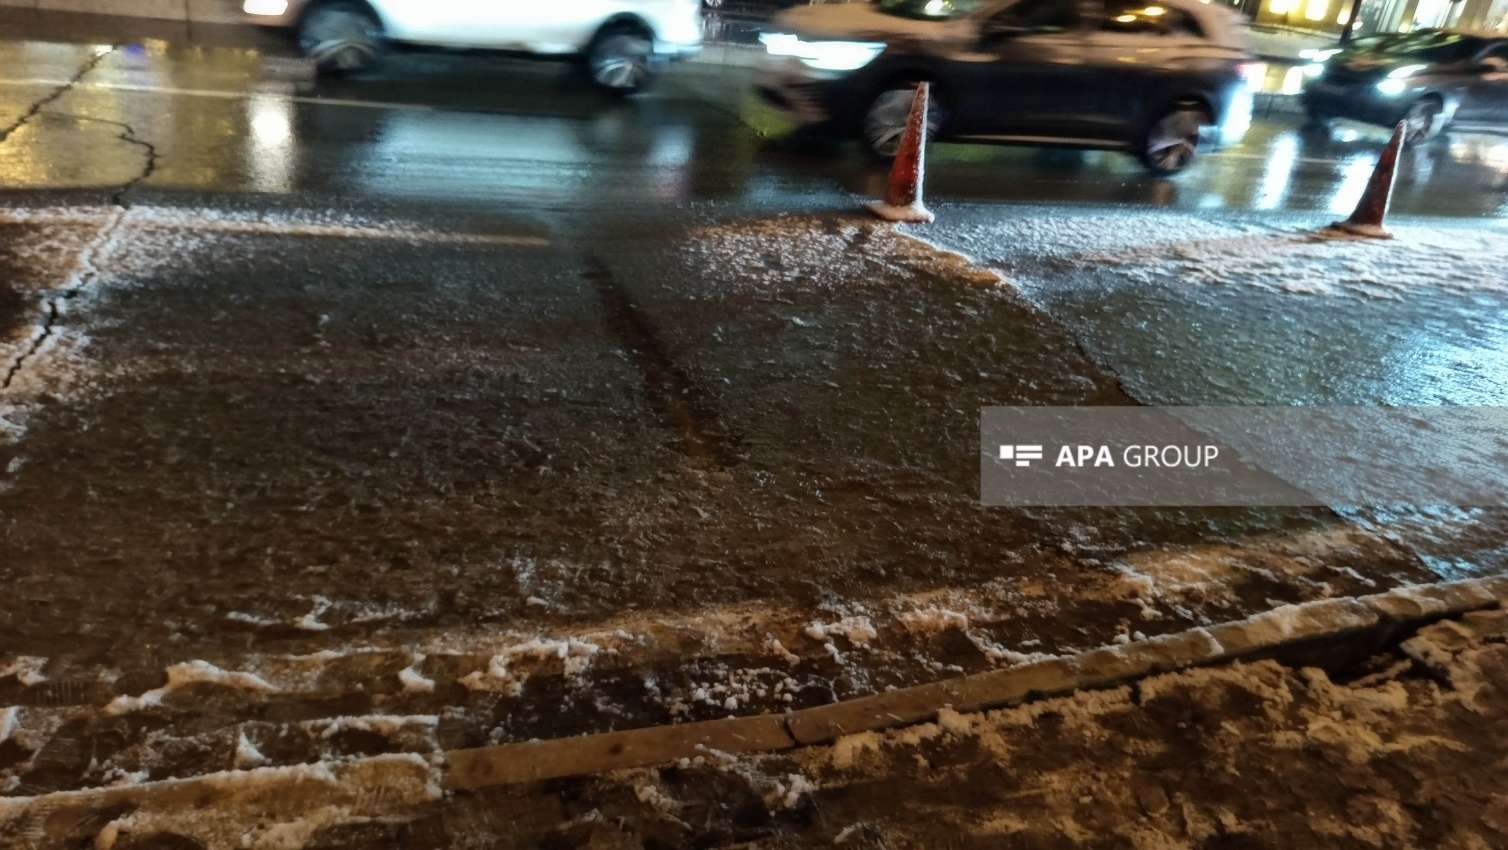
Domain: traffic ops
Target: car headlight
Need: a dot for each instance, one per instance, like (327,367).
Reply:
(1395,84)
(823,55)
(1318,55)
(270,8)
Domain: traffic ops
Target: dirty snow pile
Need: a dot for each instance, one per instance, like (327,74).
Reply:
(1180,760)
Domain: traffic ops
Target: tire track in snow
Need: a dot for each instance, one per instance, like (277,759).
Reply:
(670,389)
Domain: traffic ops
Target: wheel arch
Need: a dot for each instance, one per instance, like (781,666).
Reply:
(622,21)
(314,5)
(905,76)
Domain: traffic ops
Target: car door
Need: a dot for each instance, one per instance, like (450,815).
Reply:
(1021,76)
(497,24)
(563,26)
(1485,100)
(1135,52)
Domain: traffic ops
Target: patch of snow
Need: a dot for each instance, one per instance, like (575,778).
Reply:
(182,675)
(778,649)
(386,725)
(858,630)
(955,723)
(26,668)
(657,799)
(247,755)
(8,720)
(575,657)
(250,619)
(310,621)
(848,749)
(999,654)
(931,621)
(413,681)
(788,794)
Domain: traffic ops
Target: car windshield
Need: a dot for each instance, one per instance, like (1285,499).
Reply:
(928,10)
(1434,46)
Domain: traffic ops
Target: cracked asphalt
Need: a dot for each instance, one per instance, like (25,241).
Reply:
(410,370)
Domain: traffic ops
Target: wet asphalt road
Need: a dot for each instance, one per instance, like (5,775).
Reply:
(464,349)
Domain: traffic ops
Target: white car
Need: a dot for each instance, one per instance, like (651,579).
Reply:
(623,41)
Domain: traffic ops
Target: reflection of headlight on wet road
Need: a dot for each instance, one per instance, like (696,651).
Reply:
(1238,117)
(823,55)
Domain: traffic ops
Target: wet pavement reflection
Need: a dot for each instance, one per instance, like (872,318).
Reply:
(476,129)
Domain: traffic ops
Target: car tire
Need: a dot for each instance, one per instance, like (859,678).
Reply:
(341,38)
(621,60)
(1171,142)
(884,120)
(1422,120)
(1314,118)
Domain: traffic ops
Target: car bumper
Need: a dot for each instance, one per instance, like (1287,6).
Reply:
(803,95)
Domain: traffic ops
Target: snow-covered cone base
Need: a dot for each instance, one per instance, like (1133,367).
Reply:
(914,212)
(1371,231)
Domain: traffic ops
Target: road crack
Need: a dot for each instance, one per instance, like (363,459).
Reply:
(670,389)
(127,135)
(36,108)
(85,274)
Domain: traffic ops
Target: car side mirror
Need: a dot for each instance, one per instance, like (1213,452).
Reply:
(1492,65)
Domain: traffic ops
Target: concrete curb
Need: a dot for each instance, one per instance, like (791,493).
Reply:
(509,764)
(1352,627)
(1308,633)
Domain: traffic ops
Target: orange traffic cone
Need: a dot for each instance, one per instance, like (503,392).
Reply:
(903,202)
(1367,220)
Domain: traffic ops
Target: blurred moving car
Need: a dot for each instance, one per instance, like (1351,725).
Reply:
(624,42)
(1429,80)
(1153,77)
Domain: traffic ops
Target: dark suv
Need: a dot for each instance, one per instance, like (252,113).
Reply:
(1153,77)
(1428,79)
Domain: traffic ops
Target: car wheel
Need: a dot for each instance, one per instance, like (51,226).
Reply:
(885,120)
(622,61)
(1173,140)
(341,38)
(1419,122)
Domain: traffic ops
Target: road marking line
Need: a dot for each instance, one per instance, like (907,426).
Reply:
(1239,155)
(343,231)
(169,218)
(230,95)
